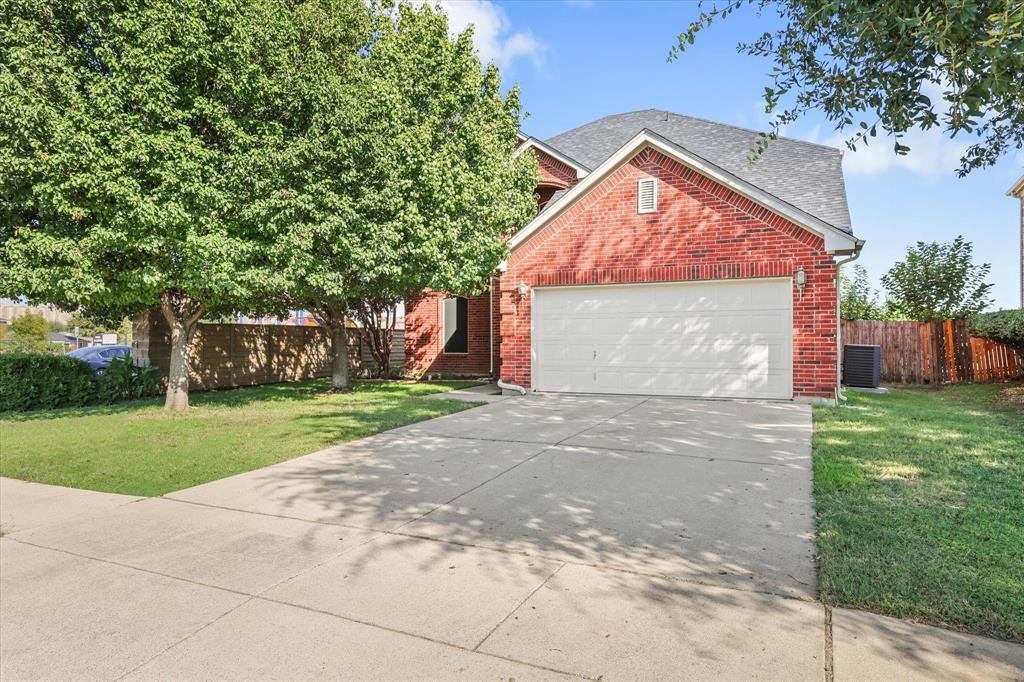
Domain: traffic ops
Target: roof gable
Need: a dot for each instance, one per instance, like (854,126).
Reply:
(802,174)
(527,142)
(836,240)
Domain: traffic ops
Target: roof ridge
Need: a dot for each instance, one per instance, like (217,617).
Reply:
(697,118)
(598,120)
(756,132)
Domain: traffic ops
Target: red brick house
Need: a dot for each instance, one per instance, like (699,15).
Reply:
(661,262)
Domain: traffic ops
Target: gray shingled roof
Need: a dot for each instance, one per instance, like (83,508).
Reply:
(806,175)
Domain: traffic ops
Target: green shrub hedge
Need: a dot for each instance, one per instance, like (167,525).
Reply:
(40,381)
(1004,326)
(36,381)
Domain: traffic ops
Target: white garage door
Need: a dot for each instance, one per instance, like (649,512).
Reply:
(726,339)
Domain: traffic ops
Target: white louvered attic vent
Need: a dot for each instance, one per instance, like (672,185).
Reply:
(647,195)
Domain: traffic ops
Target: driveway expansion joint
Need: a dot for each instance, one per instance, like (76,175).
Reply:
(119,564)
(830,670)
(603,448)
(184,639)
(417,636)
(518,606)
(334,524)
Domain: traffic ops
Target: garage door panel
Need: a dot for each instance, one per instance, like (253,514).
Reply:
(723,339)
(666,356)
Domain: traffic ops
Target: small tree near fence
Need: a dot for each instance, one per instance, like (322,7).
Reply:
(858,301)
(937,281)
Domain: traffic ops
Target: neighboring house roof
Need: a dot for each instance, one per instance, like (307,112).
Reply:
(835,240)
(533,143)
(1017,190)
(805,175)
(68,337)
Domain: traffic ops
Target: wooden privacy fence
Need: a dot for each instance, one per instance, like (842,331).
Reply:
(928,352)
(229,355)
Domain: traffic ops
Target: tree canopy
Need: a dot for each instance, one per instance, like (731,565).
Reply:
(125,140)
(937,281)
(29,332)
(867,66)
(211,157)
(403,175)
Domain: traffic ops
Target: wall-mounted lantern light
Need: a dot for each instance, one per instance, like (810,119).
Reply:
(523,290)
(801,280)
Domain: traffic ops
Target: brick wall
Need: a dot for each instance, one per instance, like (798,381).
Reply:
(701,231)
(424,338)
(551,171)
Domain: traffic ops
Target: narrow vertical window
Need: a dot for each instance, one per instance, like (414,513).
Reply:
(647,195)
(456,334)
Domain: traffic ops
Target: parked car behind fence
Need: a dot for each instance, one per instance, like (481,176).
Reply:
(99,357)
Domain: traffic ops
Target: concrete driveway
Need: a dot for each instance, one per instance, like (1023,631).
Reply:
(533,538)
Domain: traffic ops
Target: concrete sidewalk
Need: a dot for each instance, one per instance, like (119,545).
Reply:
(440,551)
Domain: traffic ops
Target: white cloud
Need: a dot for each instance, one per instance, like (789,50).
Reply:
(492,35)
(932,152)
(754,117)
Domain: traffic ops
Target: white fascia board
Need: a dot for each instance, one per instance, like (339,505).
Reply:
(836,240)
(581,170)
(1018,189)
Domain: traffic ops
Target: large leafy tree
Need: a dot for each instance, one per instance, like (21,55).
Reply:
(125,140)
(937,281)
(868,66)
(403,176)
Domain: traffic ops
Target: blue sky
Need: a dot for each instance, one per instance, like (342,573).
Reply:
(576,61)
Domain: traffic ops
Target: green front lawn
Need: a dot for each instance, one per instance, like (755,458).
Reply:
(137,449)
(920,499)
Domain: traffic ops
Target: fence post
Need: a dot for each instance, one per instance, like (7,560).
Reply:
(965,359)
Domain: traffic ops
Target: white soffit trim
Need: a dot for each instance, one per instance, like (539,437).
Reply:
(1018,189)
(836,240)
(532,142)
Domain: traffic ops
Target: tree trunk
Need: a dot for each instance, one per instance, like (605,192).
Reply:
(339,346)
(333,320)
(182,315)
(378,320)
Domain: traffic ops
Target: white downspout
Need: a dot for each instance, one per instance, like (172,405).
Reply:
(839,322)
(490,322)
(501,384)
(511,387)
